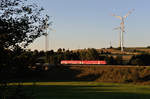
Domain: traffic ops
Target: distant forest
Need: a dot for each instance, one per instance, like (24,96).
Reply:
(25,58)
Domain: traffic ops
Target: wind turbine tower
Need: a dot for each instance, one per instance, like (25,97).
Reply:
(46,41)
(47,38)
(46,35)
(119,28)
(122,27)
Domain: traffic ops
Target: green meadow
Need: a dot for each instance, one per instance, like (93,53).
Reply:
(87,90)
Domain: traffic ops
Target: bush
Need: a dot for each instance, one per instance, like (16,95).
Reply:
(142,59)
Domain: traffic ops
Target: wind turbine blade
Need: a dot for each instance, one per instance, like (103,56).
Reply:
(128,13)
(117,16)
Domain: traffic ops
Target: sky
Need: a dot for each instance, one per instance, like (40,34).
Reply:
(83,24)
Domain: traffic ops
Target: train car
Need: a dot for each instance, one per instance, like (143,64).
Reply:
(71,62)
(100,62)
(94,62)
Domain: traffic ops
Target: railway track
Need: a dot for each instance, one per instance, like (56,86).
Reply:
(97,65)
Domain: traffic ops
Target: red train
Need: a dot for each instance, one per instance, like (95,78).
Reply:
(101,62)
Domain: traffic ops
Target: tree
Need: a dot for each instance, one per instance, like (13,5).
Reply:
(119,60)
(48,56)
(20,23)
(142,60)
(82,54)
(110,60)
(59,51)
(92,54)
(137,62)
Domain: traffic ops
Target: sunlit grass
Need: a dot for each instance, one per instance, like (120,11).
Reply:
(70,83)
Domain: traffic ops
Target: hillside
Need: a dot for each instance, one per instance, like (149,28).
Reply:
(103,73)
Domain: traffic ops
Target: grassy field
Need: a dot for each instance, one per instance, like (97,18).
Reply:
(88,90)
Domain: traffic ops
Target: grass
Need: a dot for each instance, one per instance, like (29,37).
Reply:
(88,90)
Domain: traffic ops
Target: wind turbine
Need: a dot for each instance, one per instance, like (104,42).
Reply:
(122,18)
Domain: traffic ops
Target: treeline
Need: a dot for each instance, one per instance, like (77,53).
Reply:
(86,54)
(19,60)
(93,54)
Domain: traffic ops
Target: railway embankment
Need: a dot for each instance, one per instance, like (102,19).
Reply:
(100,73)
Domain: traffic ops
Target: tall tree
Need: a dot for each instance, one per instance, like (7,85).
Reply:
(21,23)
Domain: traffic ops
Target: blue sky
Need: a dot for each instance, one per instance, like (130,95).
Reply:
(89,24)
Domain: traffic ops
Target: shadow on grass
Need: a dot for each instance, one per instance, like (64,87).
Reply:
(86,92)
(55,74)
